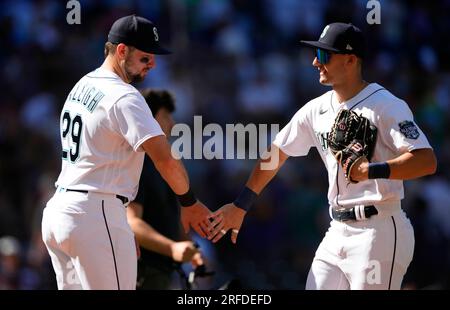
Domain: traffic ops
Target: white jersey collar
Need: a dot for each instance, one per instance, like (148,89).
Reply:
(364,93)
(103,73)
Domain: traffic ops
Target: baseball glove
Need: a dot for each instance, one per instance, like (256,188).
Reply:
(352,137)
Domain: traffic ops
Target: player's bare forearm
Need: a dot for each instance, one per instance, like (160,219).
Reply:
(173,172)
(410,165)
(171,169)
(413,164)
(266,169)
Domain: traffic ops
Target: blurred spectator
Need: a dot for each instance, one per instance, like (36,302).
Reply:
(9,263)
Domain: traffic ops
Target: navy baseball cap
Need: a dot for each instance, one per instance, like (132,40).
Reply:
(138,32)
(340,38)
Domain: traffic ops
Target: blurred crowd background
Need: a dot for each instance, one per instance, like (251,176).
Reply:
(233,61)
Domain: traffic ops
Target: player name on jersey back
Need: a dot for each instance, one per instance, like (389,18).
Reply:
(86,94)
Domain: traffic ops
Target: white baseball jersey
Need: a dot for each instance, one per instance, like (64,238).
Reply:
(371,253)
(104,121)
(397,134)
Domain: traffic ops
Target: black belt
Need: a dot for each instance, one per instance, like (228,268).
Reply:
(120,197)
(349,214)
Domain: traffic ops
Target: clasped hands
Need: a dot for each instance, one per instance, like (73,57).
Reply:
(213,225)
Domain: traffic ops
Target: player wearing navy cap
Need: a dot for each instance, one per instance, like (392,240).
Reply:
(106,129)
(370,242)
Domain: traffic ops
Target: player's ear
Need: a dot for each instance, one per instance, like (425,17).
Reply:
(352,60)
(121,50)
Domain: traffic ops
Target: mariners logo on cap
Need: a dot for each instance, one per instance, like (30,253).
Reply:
(155,32)
(324,32)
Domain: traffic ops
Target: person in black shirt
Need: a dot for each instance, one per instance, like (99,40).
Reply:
(154,215)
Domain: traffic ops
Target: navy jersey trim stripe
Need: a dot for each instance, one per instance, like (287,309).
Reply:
(366,97)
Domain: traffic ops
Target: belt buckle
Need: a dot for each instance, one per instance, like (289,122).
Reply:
(344,214)
(341,209)
(338,214)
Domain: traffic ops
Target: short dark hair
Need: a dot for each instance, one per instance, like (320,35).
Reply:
(157,99)
(110,49)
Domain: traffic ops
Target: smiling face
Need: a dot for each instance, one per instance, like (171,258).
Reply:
(335,70)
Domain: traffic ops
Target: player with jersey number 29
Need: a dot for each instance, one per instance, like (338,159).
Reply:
(370,242)
(106,129)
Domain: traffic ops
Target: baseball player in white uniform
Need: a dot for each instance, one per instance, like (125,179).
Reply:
(106,129)
(370,242)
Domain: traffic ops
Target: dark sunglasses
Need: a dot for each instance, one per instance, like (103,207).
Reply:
(323,56)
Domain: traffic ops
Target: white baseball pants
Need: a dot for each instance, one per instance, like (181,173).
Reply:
(372,254)
(89,241)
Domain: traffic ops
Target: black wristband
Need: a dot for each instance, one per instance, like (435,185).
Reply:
(379,170)
(245,199)
(187,199)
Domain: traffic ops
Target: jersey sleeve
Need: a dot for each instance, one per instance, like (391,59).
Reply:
(133,119)
(295,138)
(399,129)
